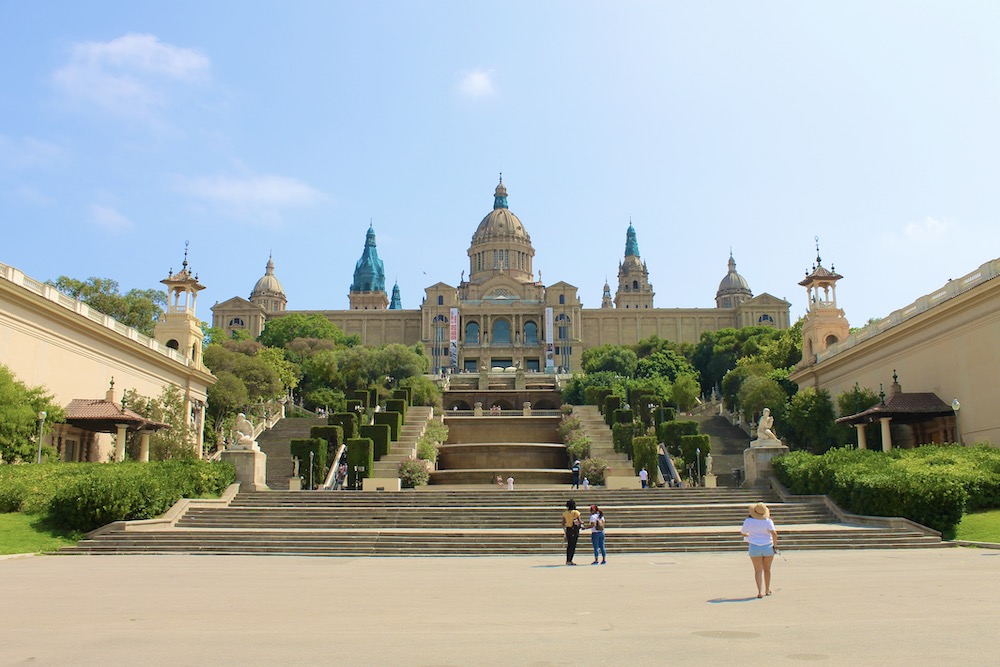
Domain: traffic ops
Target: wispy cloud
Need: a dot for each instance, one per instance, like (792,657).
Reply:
(130,76)
(27,153)
(259,198)
(109,218)
(928,229)
(477,84)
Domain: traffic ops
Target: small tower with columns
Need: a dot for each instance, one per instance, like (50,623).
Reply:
(179,328)
(824,323)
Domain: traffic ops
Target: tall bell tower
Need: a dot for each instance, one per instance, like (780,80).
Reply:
(179,328)
(824,323)
(634,290)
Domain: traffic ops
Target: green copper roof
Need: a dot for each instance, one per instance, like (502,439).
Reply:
(396,303)
(631,244)
(369,273)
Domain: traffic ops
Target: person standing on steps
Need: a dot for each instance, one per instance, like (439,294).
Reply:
(576,475)
(571,529)
(644,477)
(597,534)
(758,531)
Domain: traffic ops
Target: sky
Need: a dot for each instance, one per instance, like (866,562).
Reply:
(257,128)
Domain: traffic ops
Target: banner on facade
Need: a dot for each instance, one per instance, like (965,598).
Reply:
(549,347)
(453,341)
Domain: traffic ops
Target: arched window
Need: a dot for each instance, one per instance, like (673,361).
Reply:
(440,300)
(562,299)
(501,332)
(236,322)
(173,344)
(472,333)
(635,284)
(830,340)
(765,319)
(530,333)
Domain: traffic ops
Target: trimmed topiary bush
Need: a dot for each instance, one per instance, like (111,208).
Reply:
(301,448)
(644,453)
(360,452)
(348,421)
(671,432)
(380,437)
(393,420)
(690,444)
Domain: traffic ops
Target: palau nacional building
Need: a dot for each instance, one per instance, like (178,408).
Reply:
(502,315)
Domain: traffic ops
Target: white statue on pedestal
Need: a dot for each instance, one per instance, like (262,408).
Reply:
(765,436)
(245,430)
(708,464)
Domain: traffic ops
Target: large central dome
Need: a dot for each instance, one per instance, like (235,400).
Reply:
(500,244)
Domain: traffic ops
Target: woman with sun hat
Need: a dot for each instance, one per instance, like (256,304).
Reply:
(758,531)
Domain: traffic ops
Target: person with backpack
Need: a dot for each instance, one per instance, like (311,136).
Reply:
(576,475)
(597,534)
(571,525)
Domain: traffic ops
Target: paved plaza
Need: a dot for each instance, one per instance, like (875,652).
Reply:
(900,607)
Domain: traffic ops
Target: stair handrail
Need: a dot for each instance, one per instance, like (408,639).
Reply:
(331,477)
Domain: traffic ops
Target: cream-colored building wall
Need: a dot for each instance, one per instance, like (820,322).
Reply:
(605,326)
(947,342)
(54,341)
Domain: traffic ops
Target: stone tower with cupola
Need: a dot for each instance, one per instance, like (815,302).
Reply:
(634,290)
(824,323)
(179,328)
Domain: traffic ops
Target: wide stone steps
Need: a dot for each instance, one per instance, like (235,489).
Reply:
(482,543)
(487,522)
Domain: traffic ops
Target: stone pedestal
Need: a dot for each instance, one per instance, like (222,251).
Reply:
(294,483)
(381,484)
(251,468)
(757,460)
(710,481)
(621,482)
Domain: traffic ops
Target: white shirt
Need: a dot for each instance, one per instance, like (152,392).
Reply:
(758,531)
(643,475)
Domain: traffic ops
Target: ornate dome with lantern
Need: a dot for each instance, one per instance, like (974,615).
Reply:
(500,244)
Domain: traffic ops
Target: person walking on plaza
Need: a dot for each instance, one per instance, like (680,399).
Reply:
(644,477)
(758,531)
(571,529)
(576,475)
(597,534)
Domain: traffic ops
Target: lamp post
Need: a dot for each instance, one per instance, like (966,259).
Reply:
(41,424)
(311,455)
(697,461)
(956,406)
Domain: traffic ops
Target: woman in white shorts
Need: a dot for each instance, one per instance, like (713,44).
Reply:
(758,531)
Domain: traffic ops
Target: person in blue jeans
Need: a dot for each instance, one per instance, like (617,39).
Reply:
(597,534)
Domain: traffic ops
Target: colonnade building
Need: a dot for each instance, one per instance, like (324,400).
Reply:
(502,315)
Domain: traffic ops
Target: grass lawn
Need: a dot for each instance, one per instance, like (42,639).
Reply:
(980,527)
(27,533)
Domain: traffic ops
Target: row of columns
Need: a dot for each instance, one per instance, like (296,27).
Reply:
(120,444)
(886,435)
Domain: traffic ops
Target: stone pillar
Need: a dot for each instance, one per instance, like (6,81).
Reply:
(757,461)
(120,442)
(144,447)
(886,434)
(251,468)
(862,438)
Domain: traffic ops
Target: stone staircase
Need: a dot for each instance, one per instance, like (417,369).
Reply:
(406,446)
(486,522)
(276,444)
(601,441)
(728,443)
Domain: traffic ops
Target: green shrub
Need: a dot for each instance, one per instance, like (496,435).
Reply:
(611,403)
(103,493)
(579,446)
(622,434)
(596,395)
(380,437)
(622,416)
(360,452)
(427,444)
(393,420)
(644,453)
(396,405)
(670,434)
(413,472)
(690,444)
(594,470)
(301,448)
(568,426)
(348,421)
(403,393)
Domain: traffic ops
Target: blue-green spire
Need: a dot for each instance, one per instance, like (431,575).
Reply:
(631,244)
(500,195)
(369,273)
(396,303)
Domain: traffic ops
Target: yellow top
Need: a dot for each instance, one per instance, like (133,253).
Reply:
(568,517)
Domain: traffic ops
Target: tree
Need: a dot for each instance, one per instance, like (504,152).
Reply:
(685,392)
(280,331)
(758,392)
(614,358)
(423,391)
(19,408)
(170,443)
(810,420)
(136,308)
(852,402)
(664,363)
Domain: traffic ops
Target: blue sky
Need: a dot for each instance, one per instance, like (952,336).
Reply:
(250,128)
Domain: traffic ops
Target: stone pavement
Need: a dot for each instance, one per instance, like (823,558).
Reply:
(873,607)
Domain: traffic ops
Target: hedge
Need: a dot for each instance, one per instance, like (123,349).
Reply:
(96,494)
(690,444)
(381,436)
(360,452)
(671,432)
(393,420)
(611,403)
(300,449)
(622,435)
(933,485)
(644,453)
(621,416)
(596,396)
(348,421)
(403,393)
(396,405)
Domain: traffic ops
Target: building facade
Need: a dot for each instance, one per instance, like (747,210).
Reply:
(502,315)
